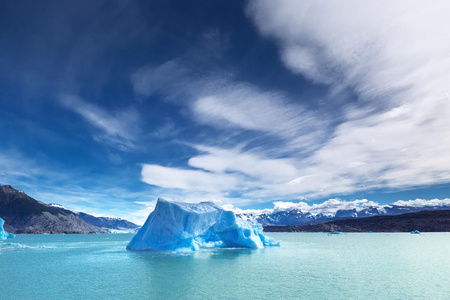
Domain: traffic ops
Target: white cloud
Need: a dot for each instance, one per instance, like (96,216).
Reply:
(220,160)
(394,56)
(423,202)
(119,129)
(186,179)
(244,106)
(219,101)
(374,47)
(235,108)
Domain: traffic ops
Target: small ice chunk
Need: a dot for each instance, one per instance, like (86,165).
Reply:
(3,234)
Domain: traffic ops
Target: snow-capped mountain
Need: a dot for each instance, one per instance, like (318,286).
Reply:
(23,214)
(297,217)
(388,210)
(112,224)
(291,217)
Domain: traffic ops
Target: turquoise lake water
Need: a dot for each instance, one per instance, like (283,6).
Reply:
(306,266)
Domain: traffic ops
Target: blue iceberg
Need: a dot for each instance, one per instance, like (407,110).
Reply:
(179,226)
(3,234)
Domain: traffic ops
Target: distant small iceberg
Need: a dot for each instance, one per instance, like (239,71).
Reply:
(334,233)
(3,234)
(415,232)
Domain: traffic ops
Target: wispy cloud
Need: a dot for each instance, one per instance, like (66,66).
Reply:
(18,169)
(243,106)
(375,48)
(219,101)
(251,165)
(168,79)
(186,179)
(392,56)
(119,129)
(166,130)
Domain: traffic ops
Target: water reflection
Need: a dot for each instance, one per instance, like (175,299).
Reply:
(175,275)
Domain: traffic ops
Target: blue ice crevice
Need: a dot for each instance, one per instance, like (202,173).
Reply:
(177,226)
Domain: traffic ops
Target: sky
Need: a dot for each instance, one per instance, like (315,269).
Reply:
(105,106)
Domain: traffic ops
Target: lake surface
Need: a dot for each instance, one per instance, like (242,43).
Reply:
(306,266)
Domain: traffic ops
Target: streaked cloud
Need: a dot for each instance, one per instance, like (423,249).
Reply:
(119,129)
(219,101)
(393,56)
(220,160)
(391,138)
(186,179)
(245,107)
(19,169)
(167,79)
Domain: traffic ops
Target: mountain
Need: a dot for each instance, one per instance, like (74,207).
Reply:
(109,223)
(297,217)
(292,217)
(424,221)
(388,210)
(23,214)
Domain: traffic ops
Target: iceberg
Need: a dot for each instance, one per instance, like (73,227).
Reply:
(3,234)
(181,227)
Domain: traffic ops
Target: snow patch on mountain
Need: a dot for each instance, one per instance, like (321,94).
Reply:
(291,213)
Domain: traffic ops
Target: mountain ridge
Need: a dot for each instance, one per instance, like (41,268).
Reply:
(424,221)
(297,217)
(108,222)
(24,214)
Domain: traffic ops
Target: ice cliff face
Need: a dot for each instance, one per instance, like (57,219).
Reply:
(186,226)
(3,234)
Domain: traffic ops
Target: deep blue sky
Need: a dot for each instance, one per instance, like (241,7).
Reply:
(107,105)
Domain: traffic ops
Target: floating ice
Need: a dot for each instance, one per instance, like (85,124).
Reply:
(187,226)
(3,234)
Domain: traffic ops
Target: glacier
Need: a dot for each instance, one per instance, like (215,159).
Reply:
(3,234)
(179,227)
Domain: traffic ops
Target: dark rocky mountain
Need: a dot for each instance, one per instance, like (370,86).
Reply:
(106,222)
(424,221)
(23,214)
